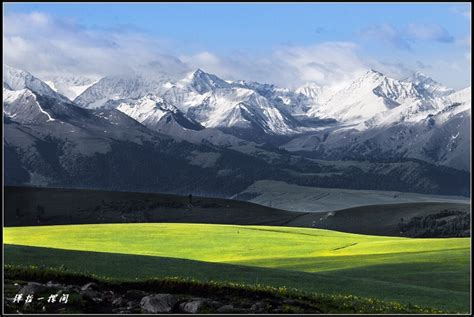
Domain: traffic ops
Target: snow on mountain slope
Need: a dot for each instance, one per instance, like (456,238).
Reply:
(367,96)
(220,104)
(153,112)
(417,110)
(118,87)
(22,106)
(285,99)
(462,96)
(311,90)
(241,108)
(203,82)
(428,86)
(17,79)
(203,97)
(365,108)
(447,138)
(433,130)
(69,86)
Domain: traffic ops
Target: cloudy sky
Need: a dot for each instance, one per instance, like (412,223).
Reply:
(285,44)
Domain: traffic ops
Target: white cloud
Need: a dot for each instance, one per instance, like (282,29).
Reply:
(41,44)
(47,46)
(323,63)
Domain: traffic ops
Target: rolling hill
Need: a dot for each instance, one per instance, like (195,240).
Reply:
(427,272)
(30,206)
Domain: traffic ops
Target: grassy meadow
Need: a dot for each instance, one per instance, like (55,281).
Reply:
(426,272)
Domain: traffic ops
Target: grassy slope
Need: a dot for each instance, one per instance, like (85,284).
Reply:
(429,272)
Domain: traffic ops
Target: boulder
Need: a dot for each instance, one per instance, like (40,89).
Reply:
(90,286)
(158,303)
(193,306)
(119,301)
(258,307)
(33,288)
(226,309)
(54,285)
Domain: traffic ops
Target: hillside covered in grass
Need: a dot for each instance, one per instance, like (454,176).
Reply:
(427,272)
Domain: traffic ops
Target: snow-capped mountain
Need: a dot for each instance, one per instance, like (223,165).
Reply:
(241,108)
(203,97)
(155,113)
(203,82)
(296,102)
(216,103)
(22,106)
(414,111)
(427,86)
(433,130)
(367,96)
(16,79)
(119,87)
(360,112)
(151,133)
(69,86)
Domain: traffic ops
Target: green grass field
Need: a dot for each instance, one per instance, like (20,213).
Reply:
(426,272)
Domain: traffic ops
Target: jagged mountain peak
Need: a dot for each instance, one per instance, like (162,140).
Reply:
(374,73)
(70,86)
(368,95)
(152,111)
(110,88)
(204,82)
(17,79)
(427,86)
(22,106)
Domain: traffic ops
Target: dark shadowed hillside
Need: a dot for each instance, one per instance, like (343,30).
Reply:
(27,206)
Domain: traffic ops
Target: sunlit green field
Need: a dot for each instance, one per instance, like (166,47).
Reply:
(429,272)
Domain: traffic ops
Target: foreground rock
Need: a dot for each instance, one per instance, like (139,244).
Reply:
(159,303)
(194,306)
(166,298)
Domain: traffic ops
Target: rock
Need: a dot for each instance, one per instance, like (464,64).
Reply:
(33,288)
(54,285)
(193,306)
(72,289)
(135,294)
(214,304)
(90,286)
(159,303)
(119,301)
(90,294)
(108,296)
(258,307)
(226,309)
(132,304)
(91,291)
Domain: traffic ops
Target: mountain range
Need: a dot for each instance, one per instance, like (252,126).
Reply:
(203,133)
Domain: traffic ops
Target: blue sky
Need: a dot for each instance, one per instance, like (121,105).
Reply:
(228,39)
